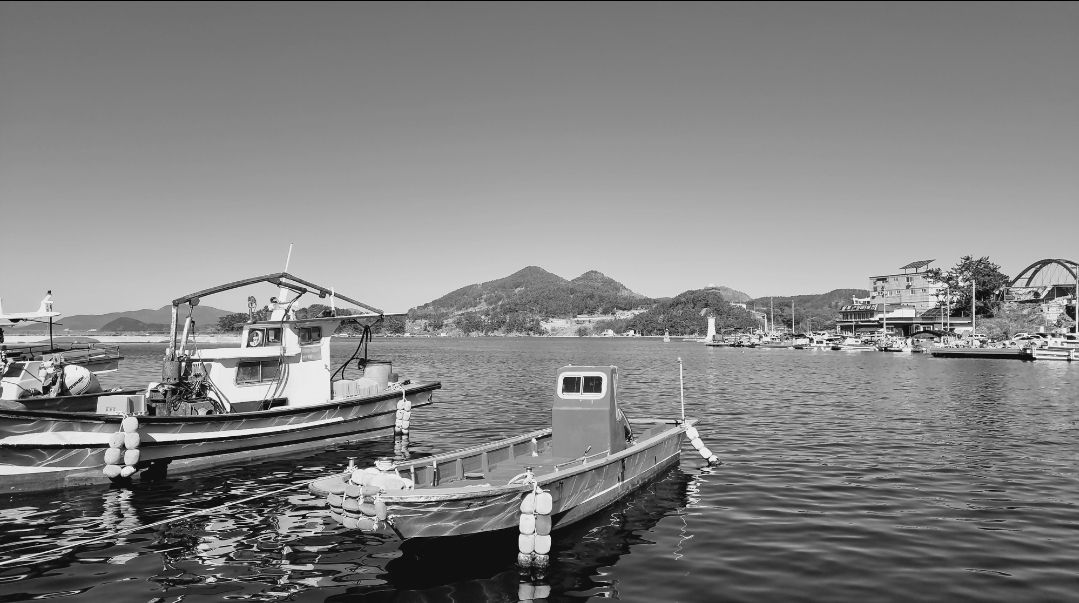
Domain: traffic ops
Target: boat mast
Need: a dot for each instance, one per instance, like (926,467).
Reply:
(973,306)
(773,311)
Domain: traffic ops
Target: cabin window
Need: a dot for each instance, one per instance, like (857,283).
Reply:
(310,335)
(273,336)
(593,385)
(571,385)
(582,386)
(257,372)
(256,338)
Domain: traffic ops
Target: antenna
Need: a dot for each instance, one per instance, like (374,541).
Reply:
(681,389)
(289,258)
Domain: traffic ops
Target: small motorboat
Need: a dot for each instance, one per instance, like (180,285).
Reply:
(94,356)
(275,393)
(536,482)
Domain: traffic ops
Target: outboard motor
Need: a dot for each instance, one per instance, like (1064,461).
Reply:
(585,418)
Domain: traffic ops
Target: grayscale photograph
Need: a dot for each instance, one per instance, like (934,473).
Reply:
(539,301)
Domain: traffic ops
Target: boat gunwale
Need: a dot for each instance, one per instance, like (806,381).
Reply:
(77,417)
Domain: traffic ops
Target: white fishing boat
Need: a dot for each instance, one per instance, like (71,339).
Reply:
(538,481)
(275,392)
(854,344)
(94,356)
(1061,346)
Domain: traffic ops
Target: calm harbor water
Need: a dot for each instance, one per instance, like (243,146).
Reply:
(844,477)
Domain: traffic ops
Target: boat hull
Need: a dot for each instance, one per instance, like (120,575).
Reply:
(577,491)
(50,440)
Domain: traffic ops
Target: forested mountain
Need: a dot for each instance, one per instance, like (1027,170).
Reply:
(685,314)
(518,302)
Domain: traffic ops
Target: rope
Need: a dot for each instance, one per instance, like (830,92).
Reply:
(54,550)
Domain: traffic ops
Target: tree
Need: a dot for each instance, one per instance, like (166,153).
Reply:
(236,322)
(984,274)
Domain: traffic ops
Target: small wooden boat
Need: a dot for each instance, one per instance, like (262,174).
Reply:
(543,480)
(275,392)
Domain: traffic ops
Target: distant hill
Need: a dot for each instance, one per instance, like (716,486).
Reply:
(517,303)
(597,281)
(685,314)
(731,295)
(130,325)
(206,316)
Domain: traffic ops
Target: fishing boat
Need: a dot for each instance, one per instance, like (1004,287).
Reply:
(539,481)
(854,344)
(76,351)
(276,392)
(1061,346)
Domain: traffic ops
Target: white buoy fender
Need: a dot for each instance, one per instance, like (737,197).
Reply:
(127,471)
(528,503)
(350,522)
(526,543)
(541,561)
(351,505)
(400,405)
(543,545)
(129,424)
(113,456)
(543,524)
(381,513)
(353,490)
(360,477)
(334,500)
(368,509)
(528,523)
(131,457)
(697,443)
(369,491)
(400,414)
(132,440)
(366,524)
(691,433)
(706,453)
(408,405)
(524,560)
(407,416)
(544,503)
(713,459)
(526,591)
(111,471)
(405,424)
(543,591)
(116,440)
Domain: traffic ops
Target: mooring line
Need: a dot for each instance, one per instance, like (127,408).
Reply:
(55,550)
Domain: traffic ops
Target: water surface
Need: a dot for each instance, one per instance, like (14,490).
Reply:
(844,477)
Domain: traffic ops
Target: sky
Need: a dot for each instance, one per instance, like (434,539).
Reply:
(149,150)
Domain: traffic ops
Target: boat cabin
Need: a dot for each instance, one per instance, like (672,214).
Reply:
(278,362)
(585,419)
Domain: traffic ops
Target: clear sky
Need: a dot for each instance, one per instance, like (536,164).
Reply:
(148,150)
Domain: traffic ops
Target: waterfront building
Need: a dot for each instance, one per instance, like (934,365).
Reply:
(907,301)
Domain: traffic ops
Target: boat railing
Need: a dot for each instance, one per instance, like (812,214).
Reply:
(583,459)
(36,351)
